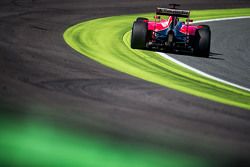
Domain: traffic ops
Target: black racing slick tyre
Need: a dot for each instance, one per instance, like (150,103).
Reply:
(139,35)
(202,42)
(141,19)
(205,27)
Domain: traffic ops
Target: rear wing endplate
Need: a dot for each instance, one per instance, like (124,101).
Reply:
(172,12)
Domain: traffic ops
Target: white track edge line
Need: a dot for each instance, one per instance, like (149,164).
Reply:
(222,19)
(201,72)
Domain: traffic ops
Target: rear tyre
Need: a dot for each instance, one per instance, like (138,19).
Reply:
(202,42)
(205,27)
(141,19)
(139,35)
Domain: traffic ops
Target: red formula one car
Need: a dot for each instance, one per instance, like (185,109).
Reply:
(171,34)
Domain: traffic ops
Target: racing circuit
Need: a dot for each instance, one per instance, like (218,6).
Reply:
(45,85)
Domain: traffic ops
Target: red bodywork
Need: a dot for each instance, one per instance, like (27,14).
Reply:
(165,23)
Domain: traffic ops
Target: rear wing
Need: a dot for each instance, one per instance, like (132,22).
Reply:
(172,12)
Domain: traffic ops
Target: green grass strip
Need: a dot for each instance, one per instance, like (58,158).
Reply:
(33,143)
(107,41)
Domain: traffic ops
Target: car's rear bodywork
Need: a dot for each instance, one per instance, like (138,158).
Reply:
(171,34)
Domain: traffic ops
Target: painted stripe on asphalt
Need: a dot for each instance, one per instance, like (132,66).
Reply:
(201,72)
(222,19)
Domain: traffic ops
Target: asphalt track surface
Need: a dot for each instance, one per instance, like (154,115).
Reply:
(42,77)
(230,64)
